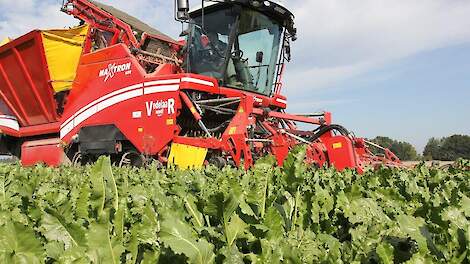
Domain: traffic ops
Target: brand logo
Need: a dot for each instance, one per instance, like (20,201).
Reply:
(113,69)
(158,107)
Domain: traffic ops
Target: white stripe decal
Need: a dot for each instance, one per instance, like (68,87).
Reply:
(10,123)
(282,101)
(119,98)
(85,115)
(162,88)
(198,81)
(132,87)
(8,117)
(66,129)
(98,108)
(114,98)
(174,81)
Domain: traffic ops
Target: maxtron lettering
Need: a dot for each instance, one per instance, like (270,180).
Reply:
(113,69)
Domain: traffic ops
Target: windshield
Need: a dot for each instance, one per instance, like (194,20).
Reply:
(254,53)
(239,49)
(208,47)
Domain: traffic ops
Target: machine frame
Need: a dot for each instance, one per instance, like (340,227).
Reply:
(132,99)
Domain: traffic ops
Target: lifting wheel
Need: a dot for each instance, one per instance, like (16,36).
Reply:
(77,159)
(219,162)
(132,159)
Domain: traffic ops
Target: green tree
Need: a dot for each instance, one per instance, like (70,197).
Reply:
(403,150)
(432,148)
(448,148)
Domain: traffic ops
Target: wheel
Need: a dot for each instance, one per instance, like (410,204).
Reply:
(218,161)
(133,159)
(77,159)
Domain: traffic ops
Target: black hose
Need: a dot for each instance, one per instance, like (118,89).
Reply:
(327,128)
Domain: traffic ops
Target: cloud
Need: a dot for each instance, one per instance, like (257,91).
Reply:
(316,77)
(21,16)
(341,39)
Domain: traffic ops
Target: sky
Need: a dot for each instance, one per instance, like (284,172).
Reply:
(397,68)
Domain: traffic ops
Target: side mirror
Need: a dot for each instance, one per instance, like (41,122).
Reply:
(259,56)
(182,10)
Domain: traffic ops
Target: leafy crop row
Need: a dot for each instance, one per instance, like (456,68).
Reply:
(293,214)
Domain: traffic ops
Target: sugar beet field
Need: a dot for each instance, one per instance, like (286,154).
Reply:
(290,214)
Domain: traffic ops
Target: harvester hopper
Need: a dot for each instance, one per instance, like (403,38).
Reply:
(36,70)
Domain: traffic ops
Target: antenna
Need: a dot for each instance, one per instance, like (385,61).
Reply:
(202,9)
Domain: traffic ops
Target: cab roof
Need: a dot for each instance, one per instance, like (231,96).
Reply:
(273,8)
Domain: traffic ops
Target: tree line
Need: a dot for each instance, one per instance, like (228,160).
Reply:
(403,150)
(446,149)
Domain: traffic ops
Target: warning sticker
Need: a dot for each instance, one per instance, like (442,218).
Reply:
(337,145)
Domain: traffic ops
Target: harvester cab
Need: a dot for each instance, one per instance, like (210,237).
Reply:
(243,44)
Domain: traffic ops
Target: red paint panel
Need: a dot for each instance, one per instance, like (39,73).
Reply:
(341,153)
(149,132)
(44,129)
(34,152)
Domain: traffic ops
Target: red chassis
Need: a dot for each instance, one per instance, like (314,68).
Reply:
(146,109)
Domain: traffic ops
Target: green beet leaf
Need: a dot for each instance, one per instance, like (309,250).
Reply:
(19,244)
(180,237)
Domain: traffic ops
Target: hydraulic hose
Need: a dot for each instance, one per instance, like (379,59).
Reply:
(327,128)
